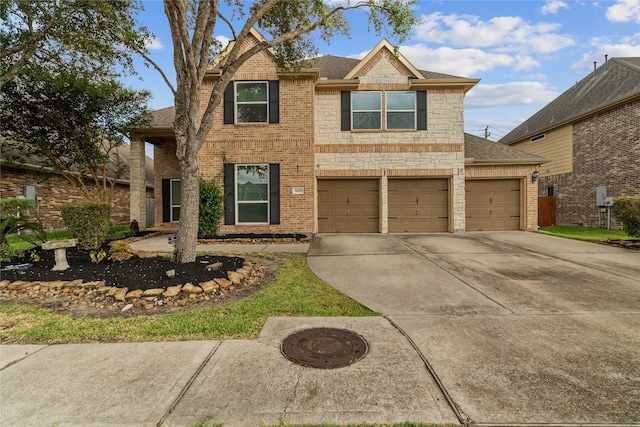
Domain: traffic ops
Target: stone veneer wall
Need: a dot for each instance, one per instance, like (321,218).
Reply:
(606,150)
(56,191)
(529,194)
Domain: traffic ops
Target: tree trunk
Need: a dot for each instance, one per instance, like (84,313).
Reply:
(187,237)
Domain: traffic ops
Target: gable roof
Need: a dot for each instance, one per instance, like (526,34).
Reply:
(483,151)
(611,84)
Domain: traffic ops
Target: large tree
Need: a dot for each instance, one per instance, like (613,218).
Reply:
(70,124)
(94,33)
(289,27)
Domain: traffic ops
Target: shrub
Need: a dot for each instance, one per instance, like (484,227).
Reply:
(8,252)
(119,251)
(627,210)
(211,208)
(88,222)
(16,207)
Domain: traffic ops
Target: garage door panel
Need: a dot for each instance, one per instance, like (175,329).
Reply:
(348,206)
(418,205)
(493,205)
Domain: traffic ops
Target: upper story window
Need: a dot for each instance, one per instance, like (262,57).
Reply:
(401,110)
(366,110)
(252,102)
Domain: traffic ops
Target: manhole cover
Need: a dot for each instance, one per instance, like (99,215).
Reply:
(324,348)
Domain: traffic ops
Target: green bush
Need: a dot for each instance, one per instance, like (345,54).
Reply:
(8,252)
(24,227)
(12,207)
(88,222)
(627,210)
(211,208)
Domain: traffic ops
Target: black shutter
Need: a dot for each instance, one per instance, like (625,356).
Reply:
(166,200)
(274,101)
(229,105)
(421,96)
(274,194)
(345,110)
(229,194)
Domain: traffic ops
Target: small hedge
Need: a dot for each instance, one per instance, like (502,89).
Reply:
(88,222)
(627,210)
(12,207)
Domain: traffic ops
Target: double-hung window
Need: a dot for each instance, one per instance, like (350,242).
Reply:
(366,110)
(401,110)
(252,102)
(377,110)
(252,194)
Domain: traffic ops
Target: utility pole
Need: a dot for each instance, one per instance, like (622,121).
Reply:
(486,133)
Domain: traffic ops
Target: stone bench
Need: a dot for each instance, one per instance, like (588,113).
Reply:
(60,248)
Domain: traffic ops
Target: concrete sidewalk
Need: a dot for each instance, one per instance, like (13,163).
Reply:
(233,382)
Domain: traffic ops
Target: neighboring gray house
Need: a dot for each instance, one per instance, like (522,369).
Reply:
(591,136)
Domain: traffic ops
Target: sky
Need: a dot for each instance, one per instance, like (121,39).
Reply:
(526,53)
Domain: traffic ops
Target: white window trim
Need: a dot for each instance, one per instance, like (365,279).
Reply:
(239,202)
(235,102)
(414,111)
(367,111)
(171,198)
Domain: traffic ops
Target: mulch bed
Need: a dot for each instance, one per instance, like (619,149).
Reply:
(134,273)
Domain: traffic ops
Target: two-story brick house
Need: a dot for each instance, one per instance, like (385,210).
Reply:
(346,145)
(591,136)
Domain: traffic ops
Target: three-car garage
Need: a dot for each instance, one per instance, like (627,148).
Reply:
(415,205)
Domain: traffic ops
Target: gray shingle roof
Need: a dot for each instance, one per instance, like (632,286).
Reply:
(612,83)
(163,118)
(486,151)
(336,67)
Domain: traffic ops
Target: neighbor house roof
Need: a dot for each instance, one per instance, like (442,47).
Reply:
(482,151)
(613,83)
(13,158)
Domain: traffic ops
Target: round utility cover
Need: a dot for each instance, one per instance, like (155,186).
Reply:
(324,348)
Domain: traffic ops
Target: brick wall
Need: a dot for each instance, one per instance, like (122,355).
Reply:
(56,191)
(606,150)
(288,143)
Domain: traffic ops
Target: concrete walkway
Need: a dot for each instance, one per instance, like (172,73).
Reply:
(478,328)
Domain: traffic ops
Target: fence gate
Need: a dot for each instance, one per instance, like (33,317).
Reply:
(546,211)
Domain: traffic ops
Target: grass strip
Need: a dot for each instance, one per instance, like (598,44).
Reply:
(589,234)
(296,291)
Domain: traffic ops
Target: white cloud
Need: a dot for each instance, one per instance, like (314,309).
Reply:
(463,62)
(624,11)
(515,93)
(553,6)
(504,33)
(153,43)
(626,46)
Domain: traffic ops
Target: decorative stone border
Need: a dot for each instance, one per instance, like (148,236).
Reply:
(97,294)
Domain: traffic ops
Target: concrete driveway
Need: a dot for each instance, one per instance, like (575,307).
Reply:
(517,327)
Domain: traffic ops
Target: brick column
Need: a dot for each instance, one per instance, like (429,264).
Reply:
(138,194)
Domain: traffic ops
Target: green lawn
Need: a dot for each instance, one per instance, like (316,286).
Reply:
(589,234)
(296,291)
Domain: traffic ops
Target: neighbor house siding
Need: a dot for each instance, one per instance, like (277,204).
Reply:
(557,147)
